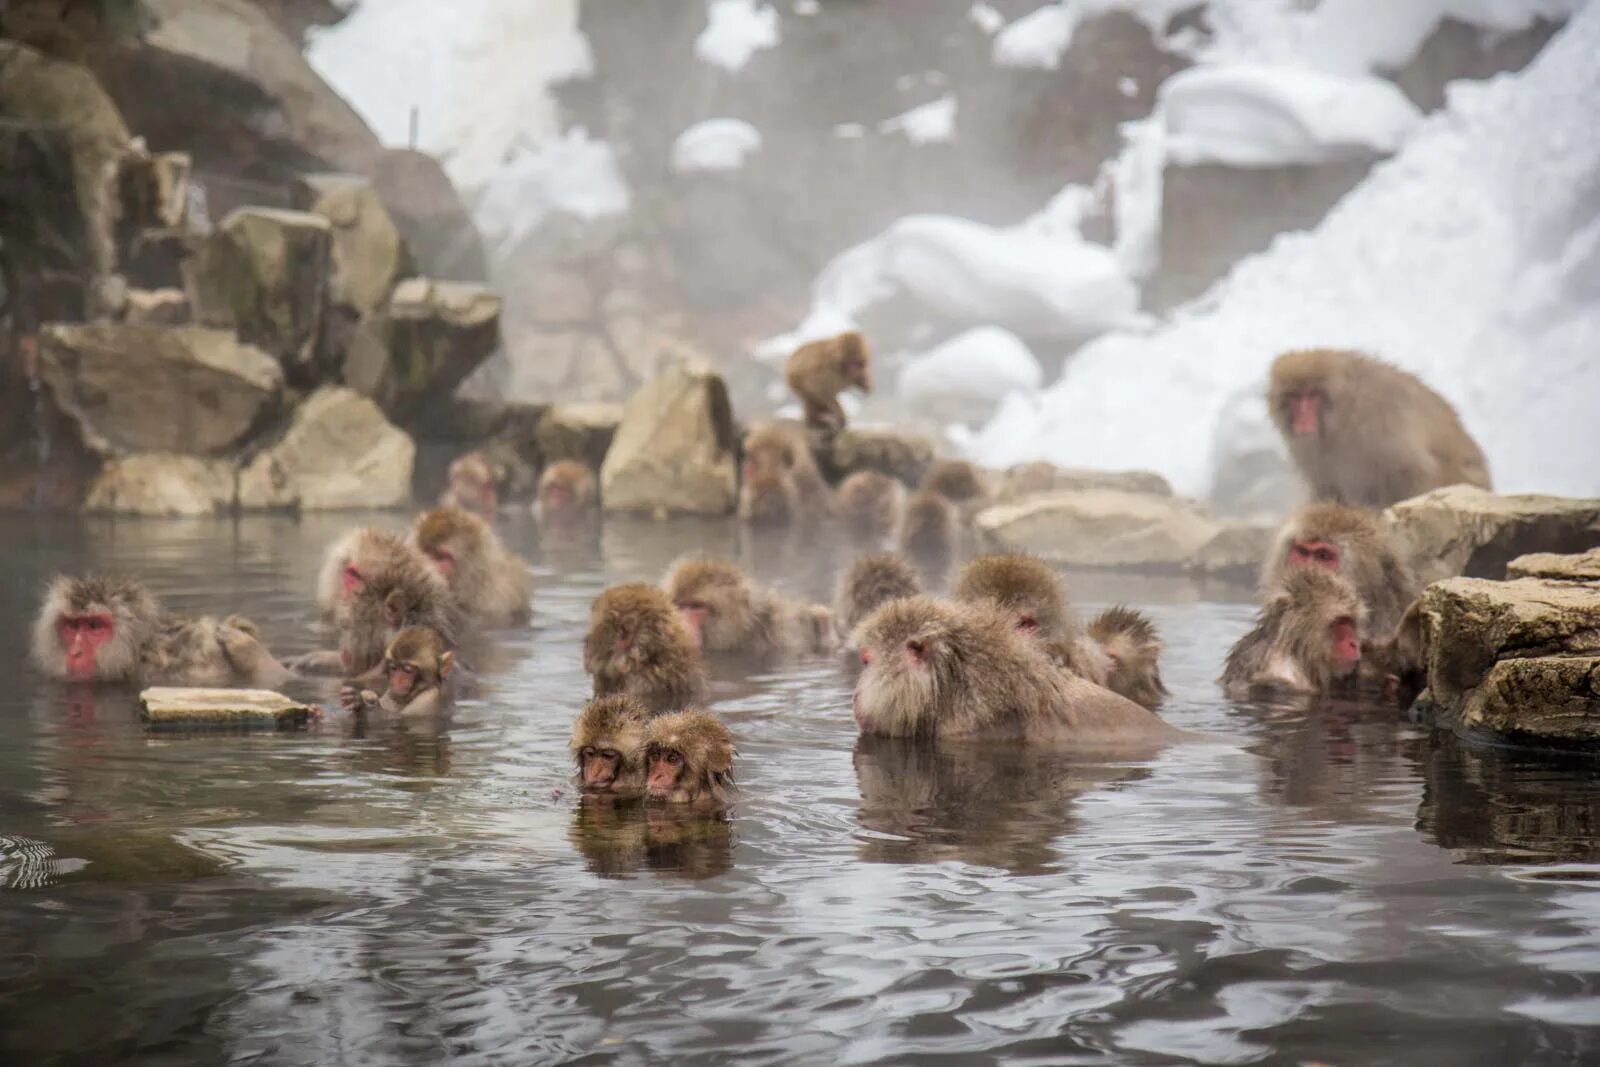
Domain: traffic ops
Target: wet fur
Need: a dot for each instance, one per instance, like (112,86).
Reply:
(869,505)
(706,779)
(492,587)
(617,722)
(744,620)
(662,668)
(1368,560)
(1133,650)
(871,582)
(1287,648)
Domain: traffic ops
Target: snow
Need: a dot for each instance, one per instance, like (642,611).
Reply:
(931,123)
(986,18)
(735,31)
(715,144)
(573,174)
(1257,115)
(976,368)
(1471,258)
(1037,40)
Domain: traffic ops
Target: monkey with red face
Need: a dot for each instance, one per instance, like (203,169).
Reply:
(421,674)
(688,760)
(608,746)
(1351,543)
(1306,639)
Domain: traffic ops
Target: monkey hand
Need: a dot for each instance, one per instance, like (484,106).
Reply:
(353,699)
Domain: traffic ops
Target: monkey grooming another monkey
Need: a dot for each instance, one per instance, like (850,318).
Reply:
(726,613)
(637,644)
(1306,639)
(420,670)
(110,630)
(819,371)
(1366,433)
(349,561)
(493,587)
(870,583)
(688,760)
(405,590)
(961,672)
(1348,542)
(567,492)
(868,504)
(608,744)
(473,485)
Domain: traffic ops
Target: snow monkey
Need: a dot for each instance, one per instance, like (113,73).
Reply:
(725,612)
(111,630)
(567,492)
(956,480)
(420,670)
(688,760)
(390,587)
(1351,543)
(473,485)
(493,587)
(819,371)
(868,504)
(1133,654)
(347,564)
(1306,639)
(930,531)
(870,583)
(1365,433)
(961,671)
(608,746)
(638,644)
(779,479)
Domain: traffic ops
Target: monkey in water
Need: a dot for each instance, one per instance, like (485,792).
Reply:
(868,505)
(1306,639)
(956,480)
(567,493)
(779,479)
(726,613)
(420,670)
(819,371)
(638,644)
(348,563)
(473,485)
(112,630)
(608,744)
(870,583)
(688,760)
(930,533)
(1368,434)
(492,587)
(962,672)
(1348,542)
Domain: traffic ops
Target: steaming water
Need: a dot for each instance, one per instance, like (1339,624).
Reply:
(1338,886)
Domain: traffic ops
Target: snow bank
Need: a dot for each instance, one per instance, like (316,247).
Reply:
(1471,258)
(715,144)
(735,31)
(572,174)
(1038,39)
(932,123)
(977,368)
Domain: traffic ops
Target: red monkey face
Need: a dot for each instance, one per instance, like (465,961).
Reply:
(1324,554)
(81,638)
(694,613)
(598,767)
(1305,413)
(666,767)
(402,678)
(1346,645)
(353,581)
(444,561)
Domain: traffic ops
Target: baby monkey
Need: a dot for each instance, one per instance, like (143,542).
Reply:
(688,760)
(421,675)
(819,371)
(608,746)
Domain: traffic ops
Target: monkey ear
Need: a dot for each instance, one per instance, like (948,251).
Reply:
(393,608)
(447,663)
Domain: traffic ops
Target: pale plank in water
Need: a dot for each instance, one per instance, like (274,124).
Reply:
(196,706)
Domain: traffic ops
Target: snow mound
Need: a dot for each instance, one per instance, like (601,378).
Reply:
(1258,115)
(715,144)
(572,174)
(1470,258)
(978,367)
(932,123)
(735,31)
(1037,40)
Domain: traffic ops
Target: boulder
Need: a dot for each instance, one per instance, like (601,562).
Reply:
(900,456)
(1026,479)
(435,333)
(1101,528)
(436,224)
(160,483)
(178,389)
(156,307)
(1235,553)
(578,431)
(1579,567)
(339,452)
(674,449)
(152,194)
(1520,658)
(369,256)
(1464,530)
(43,230)
(265,273)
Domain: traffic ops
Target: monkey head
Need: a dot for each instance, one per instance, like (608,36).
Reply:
(449,536)
(565,486)
(767,498)
(1025,588)
(352,561)
(1328,535)
(631,628)
(608,742)
(474,484)
(1303,391)
(954,479)
(716,602)
(93,629)
(1323,620)
(416,660)
(854,360)
(688,758)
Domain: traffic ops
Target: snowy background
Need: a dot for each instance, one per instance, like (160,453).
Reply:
(1077,231)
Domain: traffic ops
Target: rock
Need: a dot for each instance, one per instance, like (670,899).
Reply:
(1463,530)
(152,194)
(1101,528)
(178,389)
(507,435)
(369,256)
(674,449)
(339,452)
(1517,658)
(237,708)
(578,431)
(159,483)
(165,259)
(1026,479)
(44,232)
(437,227)
(1235,553)
(437,334)
(156,307)
(900,456)
(266,274)
(1579,567)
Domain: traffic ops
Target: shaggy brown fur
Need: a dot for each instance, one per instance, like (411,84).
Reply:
(348,561)
(608,746)
(420,669)
(870,583)
(1290,648)
(637,644)
(688,759)
(726,613)
(819,371)
(406,592)
(956,480)
(567,491)
(1379,434)
(868,505)
(930,531)
(1132,650)
(493,587)
(1030,592)
(1364,556)
(781,482)
(473,486)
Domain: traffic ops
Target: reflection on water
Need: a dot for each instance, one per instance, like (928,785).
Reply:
(1331,885)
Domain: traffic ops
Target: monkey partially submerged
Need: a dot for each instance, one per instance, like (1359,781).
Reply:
(567,493)
(1351,543)
(473,485)
(492,587)
(868,505)
(1366,433)
(726,613)
(637,644)
(349,562)
(779,480)
(397,587)
(608,746)
(688,760)
(870,583)
(421,674)
(819,371)
(1306,639)
(962,672)
(112,630)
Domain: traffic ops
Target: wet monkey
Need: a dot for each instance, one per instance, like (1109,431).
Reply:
(1351,543)
(567,492)
(349,562)
(930,532)
(868,505)
(420,669)
(817,372)
(608,744)
(473,485)
(1132,650)
(637,644)
(491,586)
(688,760)
(1306,639)
(725,612)
(870,583)
(779,478)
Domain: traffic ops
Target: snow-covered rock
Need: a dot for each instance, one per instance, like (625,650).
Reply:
(735,31)
(969,374)
(715,144)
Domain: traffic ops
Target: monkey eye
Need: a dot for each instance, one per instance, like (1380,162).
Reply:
(352,574)
(586,752)
(608,753)
(1325,555)
(673,758)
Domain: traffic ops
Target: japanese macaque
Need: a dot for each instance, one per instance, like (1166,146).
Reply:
(930,532)
(474,485)
(1306,639)
(493,587)
(567,492)
(348,563)
(1132,651)
(780,482)
(639,645)
(1365,433)
(420,670)
(608,746)
(112,630)
(688,760)
(1399,660)
(1348,542)
(870,583)
(405,590)
(725,612)
(868,504)
(962,672)
(956,480)
(768,498)
(819,371)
